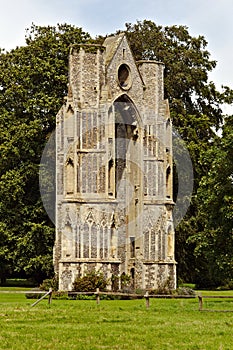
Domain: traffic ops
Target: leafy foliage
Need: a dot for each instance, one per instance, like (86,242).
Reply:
(90,282)
(214,241)
(50,283)
(33,82)
(195,106)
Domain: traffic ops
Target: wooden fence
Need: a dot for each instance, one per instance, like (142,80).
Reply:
(201,297)
(37,292)
(145,296)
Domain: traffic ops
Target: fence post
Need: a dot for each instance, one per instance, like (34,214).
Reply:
(146,296)
(50,296)
(97,296)
(200,302)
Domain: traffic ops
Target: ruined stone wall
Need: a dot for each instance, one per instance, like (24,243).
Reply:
(152,75)
(159,276)
(86,76)
(99,226)
(68,271)
(135,87)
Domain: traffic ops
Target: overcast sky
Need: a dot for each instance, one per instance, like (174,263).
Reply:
(211,18)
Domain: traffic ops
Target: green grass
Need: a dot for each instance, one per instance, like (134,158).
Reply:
(19,282)
(124,324)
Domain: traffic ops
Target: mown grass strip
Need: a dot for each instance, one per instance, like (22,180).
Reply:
(114,324)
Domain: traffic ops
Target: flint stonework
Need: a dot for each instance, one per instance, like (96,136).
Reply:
(114,170)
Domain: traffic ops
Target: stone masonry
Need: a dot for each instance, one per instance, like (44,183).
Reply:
(114,170)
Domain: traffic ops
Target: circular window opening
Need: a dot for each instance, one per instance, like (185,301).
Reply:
(124,76)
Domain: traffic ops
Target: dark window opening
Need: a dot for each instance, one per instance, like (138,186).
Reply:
(124,75)
(132,274)
(132,247)
(110,177)
(168,182)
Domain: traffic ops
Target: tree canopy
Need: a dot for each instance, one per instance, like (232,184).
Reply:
(214,240)
(195,106)
(33,83)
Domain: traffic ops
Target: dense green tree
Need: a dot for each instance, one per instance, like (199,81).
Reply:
(33,82)
(194,101)
(214,241)
(195,106)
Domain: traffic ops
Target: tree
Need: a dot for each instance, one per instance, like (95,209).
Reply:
(214,242)
(195,106)
(33,82)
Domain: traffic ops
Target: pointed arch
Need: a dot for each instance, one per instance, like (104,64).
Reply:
(125,130)
(129,109)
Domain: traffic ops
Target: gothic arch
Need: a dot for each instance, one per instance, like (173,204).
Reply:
(125,100)
(125,125)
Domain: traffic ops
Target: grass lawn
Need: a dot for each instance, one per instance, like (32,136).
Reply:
(125,324)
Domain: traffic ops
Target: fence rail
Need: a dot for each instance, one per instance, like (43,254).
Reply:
(36,292)
(201,297)
(22,291)
(145,296)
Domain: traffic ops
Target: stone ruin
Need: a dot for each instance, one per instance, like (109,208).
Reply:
(114,170)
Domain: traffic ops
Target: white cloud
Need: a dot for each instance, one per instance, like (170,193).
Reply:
(211,18)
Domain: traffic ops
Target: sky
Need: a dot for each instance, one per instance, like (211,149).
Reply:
(211,18)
